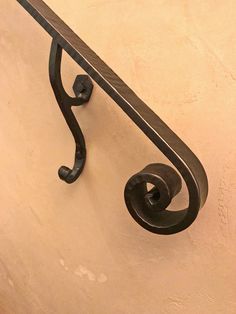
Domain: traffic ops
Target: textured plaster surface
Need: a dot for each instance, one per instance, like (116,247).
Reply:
(74,249)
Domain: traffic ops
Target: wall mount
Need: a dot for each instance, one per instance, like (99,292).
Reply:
(147,207)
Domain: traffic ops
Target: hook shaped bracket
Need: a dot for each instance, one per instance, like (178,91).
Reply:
(149,207)
(82,87)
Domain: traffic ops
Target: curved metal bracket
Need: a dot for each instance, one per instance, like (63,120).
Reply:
(147,207)
(82,88)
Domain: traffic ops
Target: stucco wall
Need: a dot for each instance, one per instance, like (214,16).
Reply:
(74,249)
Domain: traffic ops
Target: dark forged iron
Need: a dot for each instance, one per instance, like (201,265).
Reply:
(147,206)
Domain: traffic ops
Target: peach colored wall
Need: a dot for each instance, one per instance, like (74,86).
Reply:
(74,249)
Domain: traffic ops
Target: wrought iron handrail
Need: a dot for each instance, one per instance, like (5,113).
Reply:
(148,207)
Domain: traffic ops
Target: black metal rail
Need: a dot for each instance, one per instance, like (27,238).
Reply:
(148,207)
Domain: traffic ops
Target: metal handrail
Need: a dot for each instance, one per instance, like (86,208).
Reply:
(148,207)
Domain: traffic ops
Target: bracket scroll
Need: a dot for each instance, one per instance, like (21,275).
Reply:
(82,87)
(149,207)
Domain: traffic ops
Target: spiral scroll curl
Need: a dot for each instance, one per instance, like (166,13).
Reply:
(149,207)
